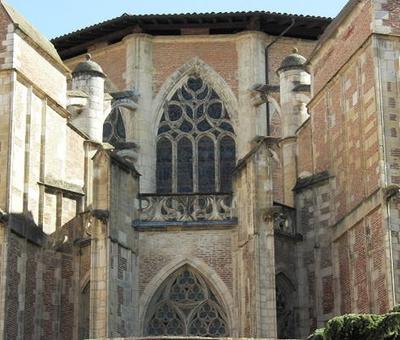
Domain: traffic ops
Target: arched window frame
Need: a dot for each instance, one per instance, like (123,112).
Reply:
(195,140)
(186,310)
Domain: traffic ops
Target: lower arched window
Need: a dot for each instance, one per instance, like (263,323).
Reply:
(186,306)
(195,145)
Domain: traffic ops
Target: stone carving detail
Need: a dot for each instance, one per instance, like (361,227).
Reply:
(186,306)
(284,220)
(186,207)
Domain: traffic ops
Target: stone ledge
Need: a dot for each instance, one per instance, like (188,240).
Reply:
(185,338)
(303,183)
(179,225)
(25,227)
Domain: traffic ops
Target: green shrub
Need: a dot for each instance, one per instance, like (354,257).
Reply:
(361,327)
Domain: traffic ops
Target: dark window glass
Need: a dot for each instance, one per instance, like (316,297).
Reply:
(185,165)
(164,166)
(195,83)
(206,165)
(174,112)
(215,110)
(186,126)
(227,163)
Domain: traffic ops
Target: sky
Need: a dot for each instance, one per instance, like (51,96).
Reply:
(56,17)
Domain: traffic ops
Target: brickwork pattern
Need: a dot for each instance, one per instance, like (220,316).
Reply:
(352,33)
(345,132)
(212,247)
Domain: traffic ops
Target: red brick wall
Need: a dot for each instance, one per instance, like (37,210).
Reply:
(220,55)
(336,53)
(345,133)
(377,260)
(13,282)
(112,60)
(159,249)
(67,297)
(393,9)
(344,274)
(282,48)
(31,290)
(50,291)
(363,285)
(40,292)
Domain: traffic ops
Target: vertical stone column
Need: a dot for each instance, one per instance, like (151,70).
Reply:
(265,247)
(97,225)
(294,113)
(89,78)
(251,71)
(256,247)
(99,281)
(3,272)
(139,76)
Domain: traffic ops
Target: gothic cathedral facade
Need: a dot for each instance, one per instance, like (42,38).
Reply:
(199,175)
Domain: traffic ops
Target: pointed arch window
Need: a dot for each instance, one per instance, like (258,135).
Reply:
(114,128)
(197,129)
(186,306)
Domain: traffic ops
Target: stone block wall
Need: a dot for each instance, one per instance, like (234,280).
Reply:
(123,252)
(386,51)
(48,181)
(314,254)
(255,252)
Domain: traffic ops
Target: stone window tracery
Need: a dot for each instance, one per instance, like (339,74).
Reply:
(114,128)
(195,141)
(185,306)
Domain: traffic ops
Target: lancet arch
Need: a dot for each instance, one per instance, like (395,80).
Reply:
(196,150)
(180,76)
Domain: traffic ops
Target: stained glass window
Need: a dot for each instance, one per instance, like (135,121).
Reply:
(227,162)
(185,306)
(206,165)
(198,125)
(114,128)
(164,165)
(185,165)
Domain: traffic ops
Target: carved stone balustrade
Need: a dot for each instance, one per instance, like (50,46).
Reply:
(186,209)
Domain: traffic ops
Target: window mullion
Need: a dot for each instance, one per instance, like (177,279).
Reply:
(217,166)
(195,166)
(174,167)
